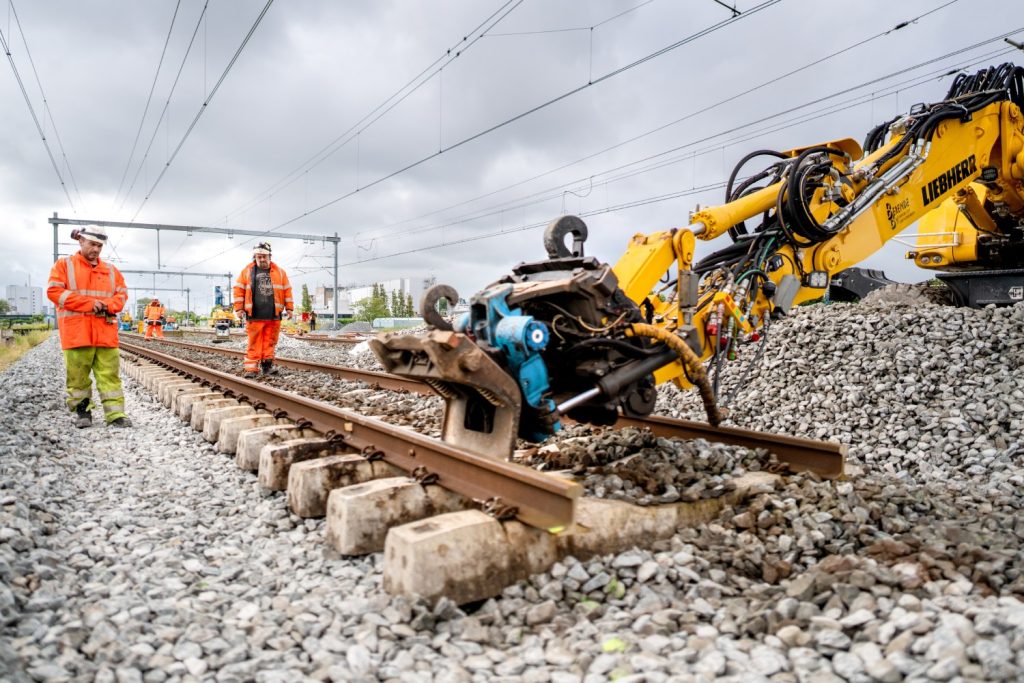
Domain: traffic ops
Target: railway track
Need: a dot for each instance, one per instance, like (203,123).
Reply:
(796,454)
(450,522)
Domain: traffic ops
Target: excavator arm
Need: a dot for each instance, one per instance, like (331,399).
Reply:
(571,337)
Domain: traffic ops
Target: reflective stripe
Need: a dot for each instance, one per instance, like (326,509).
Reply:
(73,314)
(104,395)
(280,286)
(113,408)
(123,290)
(63,297)
(72,283)
(55,283)
(94,292)
(79,393)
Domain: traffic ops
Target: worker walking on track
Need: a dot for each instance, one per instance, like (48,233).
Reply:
(89,294)
(262,296)
(154,316)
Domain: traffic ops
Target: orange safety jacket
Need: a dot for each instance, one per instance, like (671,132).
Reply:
(154,312)
(242,291)
(74,285)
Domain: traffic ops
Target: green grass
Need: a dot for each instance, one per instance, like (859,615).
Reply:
(22,343)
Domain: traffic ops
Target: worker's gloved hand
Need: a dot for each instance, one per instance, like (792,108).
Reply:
(98,306)
(285,315)
(241,316)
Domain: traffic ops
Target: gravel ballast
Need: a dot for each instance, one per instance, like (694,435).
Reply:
(141,555)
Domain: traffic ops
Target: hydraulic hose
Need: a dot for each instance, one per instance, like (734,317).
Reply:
(694,368)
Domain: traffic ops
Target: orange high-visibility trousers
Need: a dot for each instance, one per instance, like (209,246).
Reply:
(154,328)
(263,336)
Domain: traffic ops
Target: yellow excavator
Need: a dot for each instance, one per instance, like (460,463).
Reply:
(572,337)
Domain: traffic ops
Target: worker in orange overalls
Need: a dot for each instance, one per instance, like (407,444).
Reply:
(89,294)
(262,296)
(154,316)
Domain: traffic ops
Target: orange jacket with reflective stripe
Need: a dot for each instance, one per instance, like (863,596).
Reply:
(154,312)
(75,284)
(282,290)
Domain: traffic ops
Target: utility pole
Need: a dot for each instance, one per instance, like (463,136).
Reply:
(337,323)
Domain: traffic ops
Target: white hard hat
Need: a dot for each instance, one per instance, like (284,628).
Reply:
(94,233)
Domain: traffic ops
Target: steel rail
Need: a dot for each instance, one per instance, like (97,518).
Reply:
(541,500)
(824,458)
(797,454)
(382,380)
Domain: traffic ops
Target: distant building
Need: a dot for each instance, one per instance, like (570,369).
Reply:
(348,297)
(26,300)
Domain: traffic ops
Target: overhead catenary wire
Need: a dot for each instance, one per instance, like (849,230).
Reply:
(204,105)
(149,99)
(35,119)
(570,29)
(804,119)
(593,176)
(469,38)
(475,136)
(46,103)
(686,117)
(633,203)
(167,104)
(491,129)
(865,84)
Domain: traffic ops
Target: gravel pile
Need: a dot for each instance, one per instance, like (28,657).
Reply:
(143,556)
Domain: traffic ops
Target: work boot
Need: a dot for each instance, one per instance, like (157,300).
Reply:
(120,422)
(268,367)
(83,416)
(250,374)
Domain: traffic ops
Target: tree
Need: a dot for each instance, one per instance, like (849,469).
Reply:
(369,309)
(382,300)
(397,305)
(5,306)
(307,300)
(410,310)
(373,307)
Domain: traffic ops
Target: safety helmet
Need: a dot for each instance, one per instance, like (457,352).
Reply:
(262,248)
(94,233)
(155,301)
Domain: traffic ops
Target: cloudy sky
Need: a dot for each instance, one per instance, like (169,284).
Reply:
(435,138)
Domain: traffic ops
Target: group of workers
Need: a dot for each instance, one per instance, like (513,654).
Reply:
(90,293)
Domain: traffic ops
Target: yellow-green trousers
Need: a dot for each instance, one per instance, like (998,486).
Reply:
(103,364)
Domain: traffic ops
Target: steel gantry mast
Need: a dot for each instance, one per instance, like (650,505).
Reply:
(57,221)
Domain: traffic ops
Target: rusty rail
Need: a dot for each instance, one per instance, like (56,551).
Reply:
(540,500)
(799,455)
(382,380)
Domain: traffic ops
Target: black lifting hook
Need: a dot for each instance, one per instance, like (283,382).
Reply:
(428,305)
(554,237)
